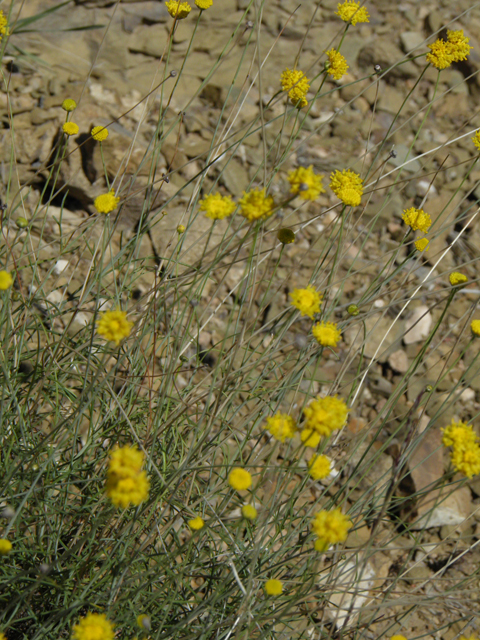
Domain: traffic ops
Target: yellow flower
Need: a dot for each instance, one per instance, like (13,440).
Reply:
(330,527)
(6,280)
(305,183)
(459,47)
(126,483)
(297,85)
(466,460)
(114,326)
(181,229)
(319,467)
(144,621)
(239,479)
(455,49)
(70,128)
(457,278)
(476,139)
(3,25)
(475,327)
(5,546)
(69,105)
(249,512)
(99,133)
(196,524)
(417,219)
(94,626)
(217,206)
(106,203)
(177,9)
(325,415)
(204,4)
(337,64)
(458,434)
(472,637)
(307,301)
(347,186)
(2,636)
(351,11)
(422,244)
(273,587)
(398,637)
(326,333)
(310,438)
(255,205)
(281,426)
(286,236)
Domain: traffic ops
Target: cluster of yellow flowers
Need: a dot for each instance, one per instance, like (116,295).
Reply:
(126,482)
(296,83)
(454,49)
(418,220)
(180,10)
(330,527)
(3,25)
(308,302)
(94,626)
(114,326)
(465,454)
(322,417)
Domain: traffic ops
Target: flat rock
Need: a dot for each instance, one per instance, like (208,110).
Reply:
(417,327)
(398,361)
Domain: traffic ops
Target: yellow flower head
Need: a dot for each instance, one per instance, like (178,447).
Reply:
(2,636)
(305,183)
(297,85)
(114,326)
(347,186)
(144,621)
(196,524)
(337,65)
(330,527)
(417,219)
(3,25)
(455,49)
(459,434)
(325,415)
(326,333)
(273,587)
(256,205)
(126,483)
(5,546)
(177,9)
(204,4)
(281,426)
(475,327)
(307,301)
(106,203)
(319,467)
(217,207)
(99,133)
(249,512)
(457,279)
(398,637)
(459,47)
(239,479)
(94,626)
(70,128)
(181,229)
(310,438)
(69,105)
(351,11)
(466,460)
(422,244)
(476,139)
(6,280)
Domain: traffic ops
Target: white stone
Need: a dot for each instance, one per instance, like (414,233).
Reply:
(417,327)
(398,361)
(60,266)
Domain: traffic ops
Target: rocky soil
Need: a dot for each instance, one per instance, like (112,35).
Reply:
(111,71)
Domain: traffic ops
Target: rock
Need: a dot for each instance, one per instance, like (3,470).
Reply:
(417,327)
(380,331)
(411,40)
(384,51)
(451,508)
(358,536)
(417,573)
(404,155)
(398,361)
(353,580)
